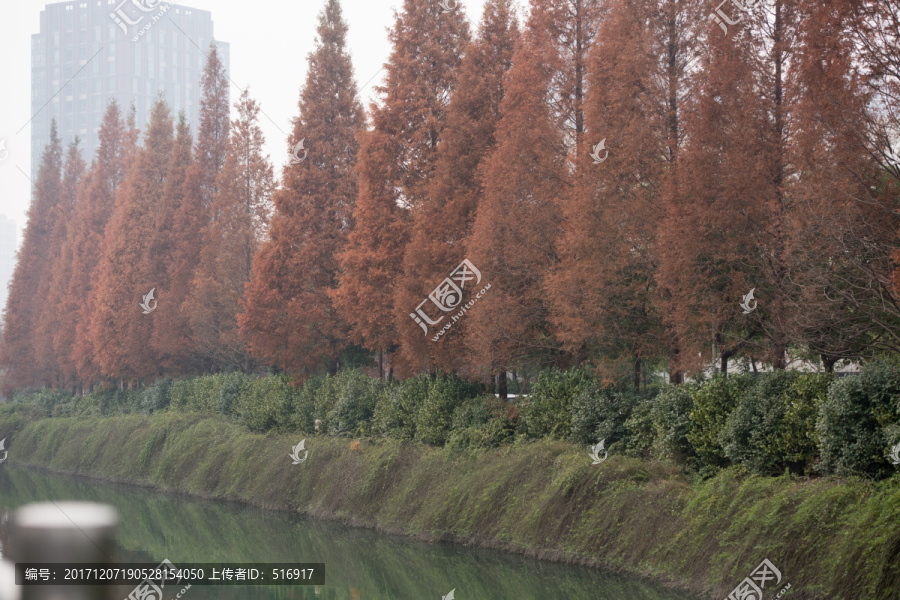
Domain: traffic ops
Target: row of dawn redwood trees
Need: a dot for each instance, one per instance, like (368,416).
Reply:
(756,158)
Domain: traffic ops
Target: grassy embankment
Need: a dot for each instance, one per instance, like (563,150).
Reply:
(831,539)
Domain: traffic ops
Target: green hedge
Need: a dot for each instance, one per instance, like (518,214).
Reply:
(397,410)
(547,412)
(670,414)
(600,413)
(857,420)
(767,424)
(752,432)
(443,397)
(713,403)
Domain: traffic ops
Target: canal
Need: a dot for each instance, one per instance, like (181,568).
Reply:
(360,564)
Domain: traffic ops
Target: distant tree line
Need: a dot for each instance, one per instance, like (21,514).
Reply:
(620,172)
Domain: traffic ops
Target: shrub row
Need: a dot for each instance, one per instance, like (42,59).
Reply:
(769,424)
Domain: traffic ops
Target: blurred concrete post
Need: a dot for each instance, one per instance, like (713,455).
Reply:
(8,589)
(64,532)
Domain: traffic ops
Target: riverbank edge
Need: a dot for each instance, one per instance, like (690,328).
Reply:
(830,539)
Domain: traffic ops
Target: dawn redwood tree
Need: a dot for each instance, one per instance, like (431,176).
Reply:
(396,166)
(711,233)
(119,328)
(162,243)
(729,230)
(17,353)
(875,28)
(57,367)
(118,147)
(239,216)
(288,318)
(172,335)
(68,307)
(606,302)
(527,177)
(876,36)
(843,220)
(445,215)
(777,41)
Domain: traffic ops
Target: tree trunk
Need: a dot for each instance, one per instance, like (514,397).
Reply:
(779,360)
(723,366)
(637,374)
(502,386)
(828,362)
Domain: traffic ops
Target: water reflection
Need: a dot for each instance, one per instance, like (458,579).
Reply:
(360,564)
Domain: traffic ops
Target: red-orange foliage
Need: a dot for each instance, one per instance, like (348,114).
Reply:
(17,352)
(754,158)
(711,223)
(120,331)
(734,197)
(55,363)
(526,176)
(239,216)
(842,195)
(396,165)
(288,317)
(443,220)
(172,335)
(118,147)
(604,293)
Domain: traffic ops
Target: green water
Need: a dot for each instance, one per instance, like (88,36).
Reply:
(360,564)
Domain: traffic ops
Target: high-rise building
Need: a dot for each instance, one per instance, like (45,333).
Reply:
(89,52)
(7,256)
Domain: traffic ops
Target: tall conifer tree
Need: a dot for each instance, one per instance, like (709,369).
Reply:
(162,245)
(288,317)
(17,352)
(604,293)
(118,146)
(172,335)
(120,328)
(445,216)
(396,165)
(843,221)
(727,232)
(57,367)
(239,216)
(527,177)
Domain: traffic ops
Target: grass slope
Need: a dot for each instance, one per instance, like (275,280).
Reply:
(831,539)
